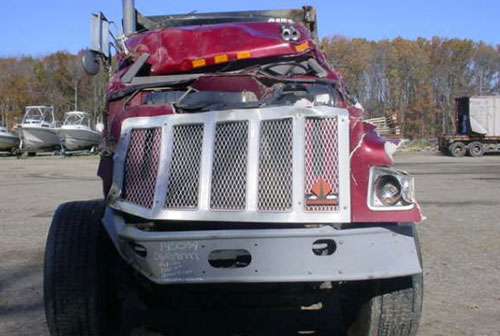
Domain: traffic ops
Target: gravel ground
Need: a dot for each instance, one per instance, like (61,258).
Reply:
(460,242)
(460,237)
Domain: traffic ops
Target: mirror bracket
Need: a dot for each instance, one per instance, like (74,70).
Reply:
(99,37)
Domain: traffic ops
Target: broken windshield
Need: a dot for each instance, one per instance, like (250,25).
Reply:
(193,100)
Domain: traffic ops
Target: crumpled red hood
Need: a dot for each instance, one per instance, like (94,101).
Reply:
(174,49)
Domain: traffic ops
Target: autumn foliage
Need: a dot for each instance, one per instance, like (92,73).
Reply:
(417,80)
(49,80)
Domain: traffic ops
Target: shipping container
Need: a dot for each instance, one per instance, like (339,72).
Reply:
(477,127)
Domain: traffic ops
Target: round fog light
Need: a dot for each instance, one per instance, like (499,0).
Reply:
(388,190)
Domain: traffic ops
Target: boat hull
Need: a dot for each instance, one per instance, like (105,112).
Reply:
(8,141)
(73,139)
(37,138)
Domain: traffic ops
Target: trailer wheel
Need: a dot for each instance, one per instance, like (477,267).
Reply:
(457,149)
(476,149)
(80,295)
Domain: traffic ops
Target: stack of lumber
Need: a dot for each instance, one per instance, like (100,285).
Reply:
(386,126)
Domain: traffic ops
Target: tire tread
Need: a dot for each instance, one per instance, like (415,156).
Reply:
(76,246)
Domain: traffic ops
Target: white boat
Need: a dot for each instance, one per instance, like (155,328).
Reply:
(76,133)
(8,141)
(38,130)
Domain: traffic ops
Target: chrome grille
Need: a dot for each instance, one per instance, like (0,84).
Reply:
(271,165)
(229,167)
(141,166)
(275,178)
(321,159)
(184,170)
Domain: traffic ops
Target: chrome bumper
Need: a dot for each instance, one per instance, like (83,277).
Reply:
(277,255)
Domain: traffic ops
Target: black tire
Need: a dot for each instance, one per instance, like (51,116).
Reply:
(394,308)
(31,153)
(457,149)
(475,149)
(388,307)
(80,295)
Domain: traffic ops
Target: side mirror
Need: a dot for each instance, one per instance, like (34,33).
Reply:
(90,62)
(99,37)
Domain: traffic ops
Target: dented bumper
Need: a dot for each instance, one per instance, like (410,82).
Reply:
(266,255)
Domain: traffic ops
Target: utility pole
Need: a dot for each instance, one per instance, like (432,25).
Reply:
(76,95)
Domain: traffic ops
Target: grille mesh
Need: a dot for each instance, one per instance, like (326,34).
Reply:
(321,157)
(141,166)
(275,165)
(184,172)
(229,169)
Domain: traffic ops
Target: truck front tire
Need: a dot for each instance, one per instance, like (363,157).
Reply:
(392,308)
(79,293)
(388,307)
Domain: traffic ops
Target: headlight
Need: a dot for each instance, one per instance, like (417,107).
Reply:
(390,189)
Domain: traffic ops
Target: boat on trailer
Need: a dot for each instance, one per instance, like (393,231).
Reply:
(77,133)
(38,130)
(8,140)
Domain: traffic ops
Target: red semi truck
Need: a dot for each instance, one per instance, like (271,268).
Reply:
(236,170)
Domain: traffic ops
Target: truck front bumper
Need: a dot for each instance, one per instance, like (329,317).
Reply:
(269,255)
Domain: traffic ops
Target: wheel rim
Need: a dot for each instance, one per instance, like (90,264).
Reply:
(476,150)
(458,150)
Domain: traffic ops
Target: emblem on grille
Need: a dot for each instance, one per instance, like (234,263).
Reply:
(321,194)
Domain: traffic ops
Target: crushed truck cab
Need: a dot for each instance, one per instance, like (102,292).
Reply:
(234,154)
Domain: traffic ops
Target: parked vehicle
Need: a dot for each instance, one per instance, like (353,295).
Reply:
(77,133)
(38,130)
(478,127)
(236,171)
(8,140)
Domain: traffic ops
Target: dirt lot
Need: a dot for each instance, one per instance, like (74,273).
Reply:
(460,237)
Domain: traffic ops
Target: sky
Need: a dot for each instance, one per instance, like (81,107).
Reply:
(40,27)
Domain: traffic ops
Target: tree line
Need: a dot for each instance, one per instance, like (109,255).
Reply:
(417,80)
(57,79)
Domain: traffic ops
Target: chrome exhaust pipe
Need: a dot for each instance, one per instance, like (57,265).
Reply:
(129,17)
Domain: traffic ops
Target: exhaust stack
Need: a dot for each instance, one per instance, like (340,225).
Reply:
(129,17)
